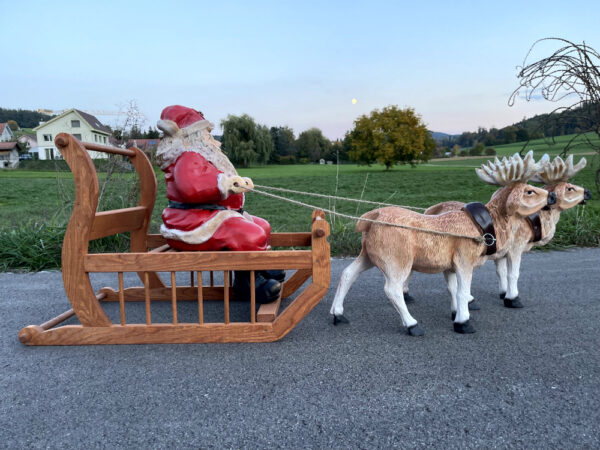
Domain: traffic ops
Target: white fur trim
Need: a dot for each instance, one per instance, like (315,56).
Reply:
(168,127)
(201,234)
(223,184)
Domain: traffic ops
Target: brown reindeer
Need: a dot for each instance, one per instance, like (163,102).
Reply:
(397,251)
(554,175)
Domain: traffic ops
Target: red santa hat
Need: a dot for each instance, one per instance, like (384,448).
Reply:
(173,118)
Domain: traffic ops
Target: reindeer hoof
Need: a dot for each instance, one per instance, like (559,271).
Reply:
(502,295)
(474,305)
(339,319)
(464,328)
(408,298)
(513,303)
(416,330)
(453,315)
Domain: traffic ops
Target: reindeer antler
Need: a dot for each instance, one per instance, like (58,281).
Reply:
(509,170)
(557,170)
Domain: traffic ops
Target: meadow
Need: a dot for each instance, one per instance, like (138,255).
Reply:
(35,205)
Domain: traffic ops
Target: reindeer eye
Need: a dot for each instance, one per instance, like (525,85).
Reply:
(570,189)
(530,192)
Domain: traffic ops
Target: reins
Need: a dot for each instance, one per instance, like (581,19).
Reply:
(478,239)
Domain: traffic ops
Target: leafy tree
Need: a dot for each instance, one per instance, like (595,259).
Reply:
(152,133)
(477,150)
(24,117)
(312,145)
(391,136)
(283,141)
(245,142)
(14,126)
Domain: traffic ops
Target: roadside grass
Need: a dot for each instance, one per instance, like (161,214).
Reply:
(35,206)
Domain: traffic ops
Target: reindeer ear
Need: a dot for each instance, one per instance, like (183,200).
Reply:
(168,127)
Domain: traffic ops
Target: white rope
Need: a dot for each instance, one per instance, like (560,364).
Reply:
(379,222)
(333,197)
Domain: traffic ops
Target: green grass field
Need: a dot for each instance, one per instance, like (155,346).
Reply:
(45,198)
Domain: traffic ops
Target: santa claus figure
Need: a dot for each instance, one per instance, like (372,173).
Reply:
(206,198)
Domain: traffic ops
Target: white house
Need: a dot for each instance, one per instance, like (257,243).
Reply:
(6,133)
(9,155)
(83,126)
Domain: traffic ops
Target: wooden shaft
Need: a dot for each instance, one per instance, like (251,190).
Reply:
(58,319)
(191,279)
(212,279)
(252,298)
(226,296)
(200,300)
(121,298)
(147,298)
(174,297)
(63,142)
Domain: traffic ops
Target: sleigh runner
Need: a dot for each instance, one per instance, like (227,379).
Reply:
(150,254)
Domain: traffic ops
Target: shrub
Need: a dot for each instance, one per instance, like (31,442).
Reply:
(490,151)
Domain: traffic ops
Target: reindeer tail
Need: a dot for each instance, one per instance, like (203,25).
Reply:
(362,226)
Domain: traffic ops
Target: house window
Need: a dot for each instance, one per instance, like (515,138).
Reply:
(49,153)
(104,137)
(48,138)
(75,124)
(95,138)
(77,136)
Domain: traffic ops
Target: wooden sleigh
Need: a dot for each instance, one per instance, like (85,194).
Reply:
(150,254)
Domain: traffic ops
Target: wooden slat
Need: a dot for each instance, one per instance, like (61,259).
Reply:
(121,299)
(185,261)
(290,239)
(147,298)
(268,311)
(212,278)
(155,240)
(252,297)
(108,149)
(174,297)
(200,300)
(226,296)
(107,223)
(184,293)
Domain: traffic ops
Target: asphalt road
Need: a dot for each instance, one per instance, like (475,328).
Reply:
(528,378)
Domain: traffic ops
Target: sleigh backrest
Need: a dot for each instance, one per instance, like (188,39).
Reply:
(86,223)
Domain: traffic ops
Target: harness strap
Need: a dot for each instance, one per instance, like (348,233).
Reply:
(482,218)
(535,223)
(205,206)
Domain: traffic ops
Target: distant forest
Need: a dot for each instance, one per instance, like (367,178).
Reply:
(23,117)
(540,126)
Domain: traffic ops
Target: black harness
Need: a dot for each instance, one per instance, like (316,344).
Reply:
(205,206)
(481,217)
(535,223)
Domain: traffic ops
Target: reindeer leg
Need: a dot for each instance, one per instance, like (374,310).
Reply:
(407,297)
(461,322)
(512,300)
(347,279)
(501,271)
(393,290)
(452,285)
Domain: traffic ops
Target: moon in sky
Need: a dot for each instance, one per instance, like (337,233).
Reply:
(354,101)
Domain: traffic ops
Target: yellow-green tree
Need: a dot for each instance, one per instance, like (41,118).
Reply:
(389,137)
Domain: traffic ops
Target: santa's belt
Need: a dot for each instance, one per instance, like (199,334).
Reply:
(205,206)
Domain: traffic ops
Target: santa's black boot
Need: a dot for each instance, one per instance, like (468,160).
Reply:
(266,291)
(277,275)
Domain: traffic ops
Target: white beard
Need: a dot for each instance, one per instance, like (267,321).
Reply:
(194,138)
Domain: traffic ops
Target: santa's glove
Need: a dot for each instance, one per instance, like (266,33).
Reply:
(235,185)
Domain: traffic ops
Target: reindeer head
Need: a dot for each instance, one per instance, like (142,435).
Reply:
(516,197)
(555,175)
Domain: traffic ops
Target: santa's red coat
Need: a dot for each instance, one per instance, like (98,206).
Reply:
(191,179)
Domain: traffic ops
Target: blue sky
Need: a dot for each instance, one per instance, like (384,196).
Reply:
(285,63)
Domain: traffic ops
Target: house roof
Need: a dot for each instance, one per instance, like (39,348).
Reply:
(92,121)
(142,143)
(2,126)
(4,146)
